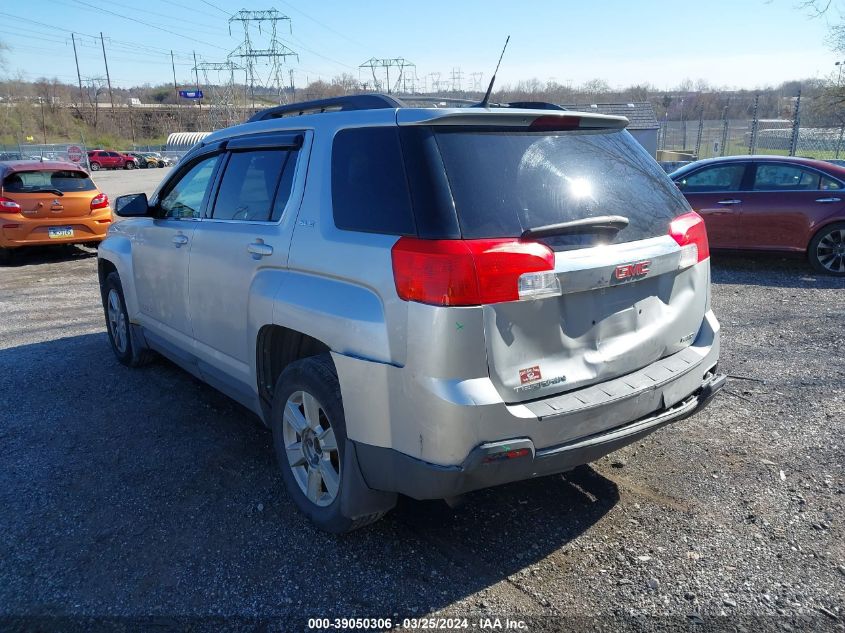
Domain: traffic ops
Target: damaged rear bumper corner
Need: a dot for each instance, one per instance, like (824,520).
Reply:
(390,470)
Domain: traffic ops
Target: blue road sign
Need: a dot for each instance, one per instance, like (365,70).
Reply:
(190,94)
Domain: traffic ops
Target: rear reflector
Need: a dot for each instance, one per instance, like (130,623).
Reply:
(505,455)
(472,272)
(689,232)
(100,202)
(9,206)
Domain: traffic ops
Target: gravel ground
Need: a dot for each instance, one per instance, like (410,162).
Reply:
(130,493)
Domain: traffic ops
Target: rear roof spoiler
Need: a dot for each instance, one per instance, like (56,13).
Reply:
(506,117)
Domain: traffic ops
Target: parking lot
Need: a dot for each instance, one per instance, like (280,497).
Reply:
(130,493)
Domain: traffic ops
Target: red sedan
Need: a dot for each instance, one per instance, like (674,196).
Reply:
(771,203)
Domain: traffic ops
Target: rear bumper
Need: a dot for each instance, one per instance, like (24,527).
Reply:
(16,231)
(390,470)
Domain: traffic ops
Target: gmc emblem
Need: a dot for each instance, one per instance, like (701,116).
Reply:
(629,271)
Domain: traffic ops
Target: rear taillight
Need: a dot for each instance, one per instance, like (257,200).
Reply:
(100,202)
(689,232)
(8,205)
(551,123)
(472,272)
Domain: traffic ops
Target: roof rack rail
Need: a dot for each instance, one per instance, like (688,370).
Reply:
(535,105)
(372,101)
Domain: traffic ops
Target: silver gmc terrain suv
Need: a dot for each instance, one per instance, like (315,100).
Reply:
(421,300)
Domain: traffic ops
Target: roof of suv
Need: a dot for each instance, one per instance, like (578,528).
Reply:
(379,108)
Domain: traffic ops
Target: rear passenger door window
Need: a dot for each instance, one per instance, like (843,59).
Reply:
(779,177)
(256,185)
(714,179)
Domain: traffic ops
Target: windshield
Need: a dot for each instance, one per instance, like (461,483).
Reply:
(504,182)
(65,181)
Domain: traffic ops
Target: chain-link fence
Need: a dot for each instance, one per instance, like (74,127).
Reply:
(72,152)
(701,138)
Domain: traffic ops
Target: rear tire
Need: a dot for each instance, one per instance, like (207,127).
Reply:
(7,256)
(95,166)
(125,345)
(309,436)
(826,251)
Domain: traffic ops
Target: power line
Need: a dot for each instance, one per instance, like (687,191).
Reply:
(153,26)
(324,25)
(214,6)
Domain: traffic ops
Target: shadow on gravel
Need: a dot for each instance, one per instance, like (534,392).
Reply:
(34,255)
(769,269)
(130,492)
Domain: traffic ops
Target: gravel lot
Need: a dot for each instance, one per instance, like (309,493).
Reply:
(129,493)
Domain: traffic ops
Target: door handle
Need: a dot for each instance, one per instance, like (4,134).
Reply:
(259,249)
(180,240)
(823,200)
(734,201)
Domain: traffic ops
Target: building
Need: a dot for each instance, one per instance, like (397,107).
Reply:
(642,125)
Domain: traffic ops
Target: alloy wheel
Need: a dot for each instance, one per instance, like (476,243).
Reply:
(117,321)
(830,251)
(311,448)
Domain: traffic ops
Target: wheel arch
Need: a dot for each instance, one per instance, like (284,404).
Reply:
(115,255)
(277,347)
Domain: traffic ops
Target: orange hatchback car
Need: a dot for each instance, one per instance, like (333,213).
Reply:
(49,203)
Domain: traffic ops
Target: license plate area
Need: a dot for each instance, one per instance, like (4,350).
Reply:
(59,232)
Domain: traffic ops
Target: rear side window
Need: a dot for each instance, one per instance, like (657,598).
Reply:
(504,182)
(369,187)
(714,179)
(65,181)
(249,185)
(785,178)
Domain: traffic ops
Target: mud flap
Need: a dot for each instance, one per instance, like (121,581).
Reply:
(357,499)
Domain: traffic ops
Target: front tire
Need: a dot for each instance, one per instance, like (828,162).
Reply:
(309,436)
(124,343)
(827,250)
(129,165)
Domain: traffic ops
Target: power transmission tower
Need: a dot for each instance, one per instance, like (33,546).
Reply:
(436,86)
(401,79)
(219,82)
(457,76)
(477,81)
(269,53)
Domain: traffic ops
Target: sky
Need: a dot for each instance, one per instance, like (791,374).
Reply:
(736,44)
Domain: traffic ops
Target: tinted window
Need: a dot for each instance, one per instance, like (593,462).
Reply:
(61,180)
(249,185)
(829,184)
(712,179)
(369,188)
(506,182)
(785,178)
(184,198)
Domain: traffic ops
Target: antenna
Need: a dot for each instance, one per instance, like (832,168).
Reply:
(486,98)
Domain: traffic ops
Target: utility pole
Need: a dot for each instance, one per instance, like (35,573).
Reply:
(176,91)
(43,122)
(197,76)
(108,78)
(78,75)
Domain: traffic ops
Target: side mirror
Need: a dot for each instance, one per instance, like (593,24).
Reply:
(134,205)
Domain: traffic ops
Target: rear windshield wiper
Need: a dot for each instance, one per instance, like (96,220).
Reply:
(53,191)
(600,224)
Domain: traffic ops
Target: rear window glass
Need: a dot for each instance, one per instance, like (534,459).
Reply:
(65,181)
(504,182)
(369,187)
